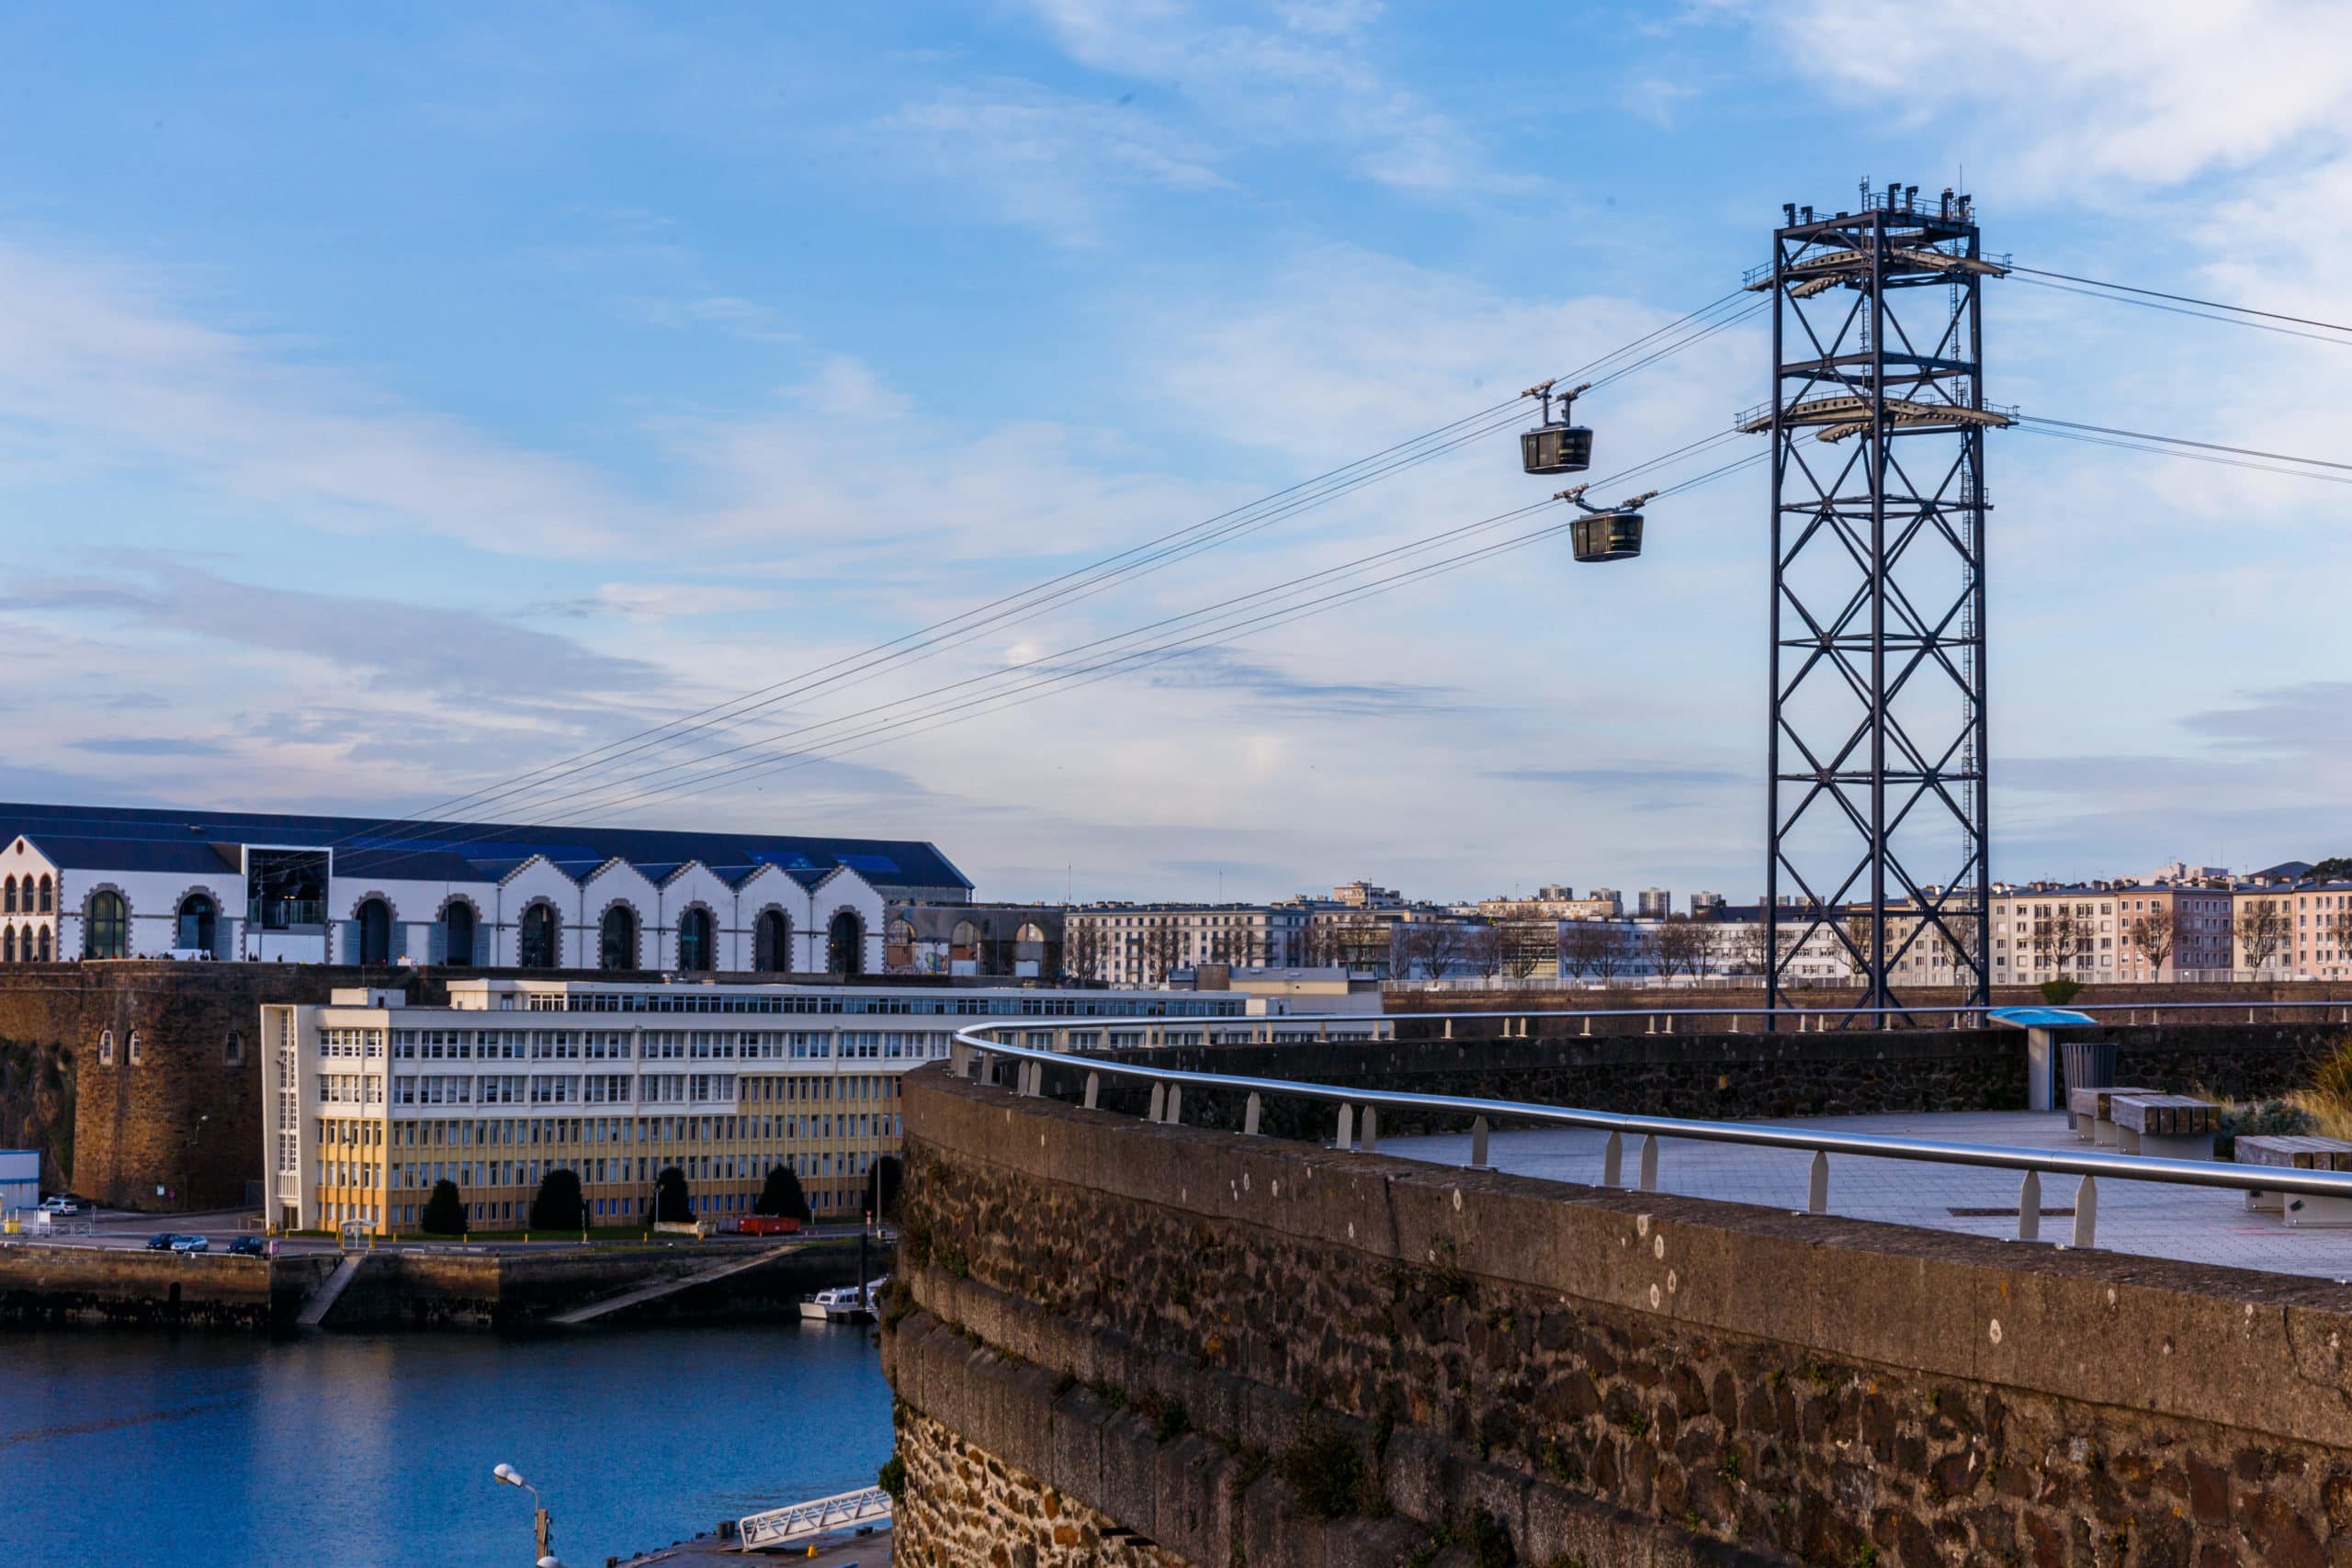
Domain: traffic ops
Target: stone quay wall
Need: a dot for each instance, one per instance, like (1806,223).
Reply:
(1730,1077)
(1264,1352)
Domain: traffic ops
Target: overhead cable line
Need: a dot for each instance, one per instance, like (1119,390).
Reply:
(2178,311)
(2182,298)
(1124,565)
(1046,675)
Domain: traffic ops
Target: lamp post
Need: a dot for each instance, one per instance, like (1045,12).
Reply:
(542,1523)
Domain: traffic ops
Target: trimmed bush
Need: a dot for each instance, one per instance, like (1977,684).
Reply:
(672,1203)
(559,1205)
(780,1195)
(445,1212)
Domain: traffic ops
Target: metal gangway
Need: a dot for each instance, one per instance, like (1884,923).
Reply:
(806,1521)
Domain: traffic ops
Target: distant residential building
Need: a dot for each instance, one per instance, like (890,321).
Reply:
(1654,903)
(1703,903)
(1608,899)
(1142,944)
(1366,895)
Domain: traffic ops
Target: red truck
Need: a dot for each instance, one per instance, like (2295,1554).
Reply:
(767,1225)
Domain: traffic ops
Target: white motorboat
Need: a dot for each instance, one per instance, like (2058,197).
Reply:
(843,1303)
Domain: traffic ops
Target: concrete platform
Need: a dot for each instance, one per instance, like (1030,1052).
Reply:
(709,1552)
(2193,1224)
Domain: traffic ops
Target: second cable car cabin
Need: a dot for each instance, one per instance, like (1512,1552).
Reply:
(1556,446)
(1605,534)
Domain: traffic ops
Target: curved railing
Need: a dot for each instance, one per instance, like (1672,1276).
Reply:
(978,1049)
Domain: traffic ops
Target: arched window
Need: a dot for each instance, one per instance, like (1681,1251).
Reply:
(105,1047)
(375,921)
(8,945)
(458,933)
(772,943)
(44,894)
(232,1050)
(845,946)
(44,945)
(965,941)
(197,922)
(616,941)
(106,927)
(693,941)
(537,947)
(8,900)
(134,1052)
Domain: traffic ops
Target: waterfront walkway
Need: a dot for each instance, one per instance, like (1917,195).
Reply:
(709,1552)
(2193,1224)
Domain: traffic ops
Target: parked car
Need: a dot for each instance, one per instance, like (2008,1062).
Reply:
(58,1203)
(162,1241)
(248,1246)
(191,1244)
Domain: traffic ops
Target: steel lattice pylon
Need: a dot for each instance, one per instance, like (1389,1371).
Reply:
(1878,824)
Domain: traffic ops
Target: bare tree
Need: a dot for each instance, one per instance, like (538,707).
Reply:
(1525,945)
(1441,945)
(2335,929)
(2057,938)
(2155,934)
(1082,950)
(1677,945)
(1163,949)
(1750,949)
(2261,931)
(1577,947)
(1612,949)
(1482,949)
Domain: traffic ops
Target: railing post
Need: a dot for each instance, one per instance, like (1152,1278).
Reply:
(1094,1090)
(2086,1212)
(1612,1160)
(1346,1137)
(1449,1029)
(1370,1128)
(2030,1207)
(959,1060)
(1816,1186)
(1250,1115)
(1159,1101)
(1587,1026)
(1478,1143)
(1173,1111)
(1649,1162)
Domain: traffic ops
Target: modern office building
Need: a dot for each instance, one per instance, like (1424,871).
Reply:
(102,882)
(370,1101)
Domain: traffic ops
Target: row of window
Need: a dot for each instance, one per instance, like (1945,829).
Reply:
(727,1000)
(346,1131)
(33,948)
(26,896)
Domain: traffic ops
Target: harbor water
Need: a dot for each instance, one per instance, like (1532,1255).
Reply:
(221,1451)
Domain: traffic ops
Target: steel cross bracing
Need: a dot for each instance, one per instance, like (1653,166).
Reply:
(1878,832)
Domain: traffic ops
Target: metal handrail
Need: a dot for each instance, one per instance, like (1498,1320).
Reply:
(1820,1143)
(819,1516)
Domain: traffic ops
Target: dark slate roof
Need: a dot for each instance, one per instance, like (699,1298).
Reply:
(190,854)
(133,838)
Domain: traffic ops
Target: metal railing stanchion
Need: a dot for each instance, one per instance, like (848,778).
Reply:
(2030,1207)
(1612,1160)
(1649,1162)
(1250,1115)
(1816,1185)
(1478,1143)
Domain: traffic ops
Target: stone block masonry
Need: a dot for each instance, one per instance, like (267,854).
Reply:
(1732,1076)
(1607,1377)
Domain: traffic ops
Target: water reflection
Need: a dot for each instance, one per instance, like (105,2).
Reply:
(200,1449)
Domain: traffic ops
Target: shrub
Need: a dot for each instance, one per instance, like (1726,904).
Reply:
(1325,1469)
(2265,1117)
(557,1204)
(2331,1080)
(672,1204)
(2060,991)
(445,1212)
(781,1195)
(1488,1540)
(892,1478)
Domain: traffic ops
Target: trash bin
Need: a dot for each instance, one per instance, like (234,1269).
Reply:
(2090,1064)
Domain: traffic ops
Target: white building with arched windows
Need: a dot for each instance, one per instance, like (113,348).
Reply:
(100,883)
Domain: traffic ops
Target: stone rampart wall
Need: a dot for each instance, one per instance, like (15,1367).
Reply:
(1181,1331)
(1730,1077)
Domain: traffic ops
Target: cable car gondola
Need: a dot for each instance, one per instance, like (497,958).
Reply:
(1555,446)
(1606,534)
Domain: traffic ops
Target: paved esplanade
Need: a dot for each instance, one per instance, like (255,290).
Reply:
(2194,1224)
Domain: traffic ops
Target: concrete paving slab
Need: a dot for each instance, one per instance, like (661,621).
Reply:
(2193,1224)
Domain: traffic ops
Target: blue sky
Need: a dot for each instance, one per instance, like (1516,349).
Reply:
(392,402)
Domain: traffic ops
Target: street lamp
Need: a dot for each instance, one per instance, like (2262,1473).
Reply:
(543,1523)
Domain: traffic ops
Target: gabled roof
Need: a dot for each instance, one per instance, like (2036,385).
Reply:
(492,850)
(199,857)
